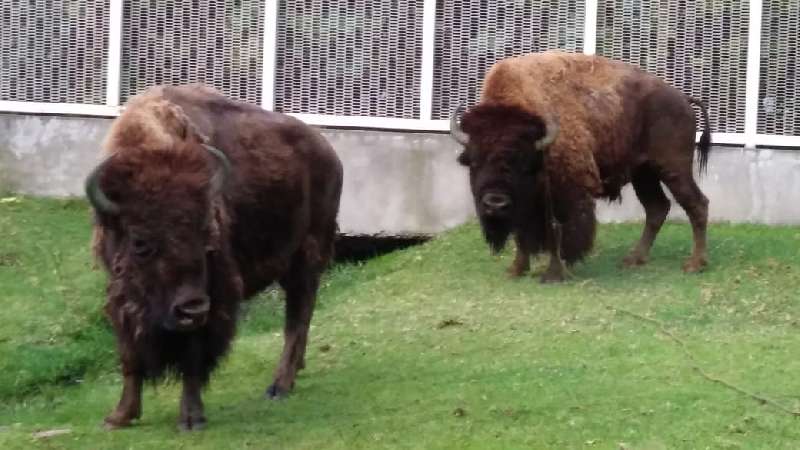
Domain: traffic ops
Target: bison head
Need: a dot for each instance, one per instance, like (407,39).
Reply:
(160,230)
(503,148)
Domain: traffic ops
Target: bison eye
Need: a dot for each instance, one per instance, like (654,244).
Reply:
(142,248)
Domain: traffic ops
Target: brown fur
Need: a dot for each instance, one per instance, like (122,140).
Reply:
(275,221)
(616,123)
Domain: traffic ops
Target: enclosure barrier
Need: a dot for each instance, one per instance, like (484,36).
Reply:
(395,64)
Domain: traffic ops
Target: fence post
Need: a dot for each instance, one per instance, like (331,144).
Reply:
(590,28)
(753,74)
(268,54)
(428,46)
(114,62)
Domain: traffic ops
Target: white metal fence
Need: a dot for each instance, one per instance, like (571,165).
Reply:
(395,64)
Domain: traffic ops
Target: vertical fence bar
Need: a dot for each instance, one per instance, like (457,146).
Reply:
(268,54)
(114,63)
(590,28)
(428,40)
(753,74)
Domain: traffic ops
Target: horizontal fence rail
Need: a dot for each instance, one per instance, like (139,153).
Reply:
(395,64)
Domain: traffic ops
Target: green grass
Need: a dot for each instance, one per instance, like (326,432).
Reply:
(432,347)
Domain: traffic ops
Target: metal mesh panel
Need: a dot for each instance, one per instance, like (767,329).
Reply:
(700,47)
(216,42)
(779,94)
(471,35)
(53,50)
(349,57)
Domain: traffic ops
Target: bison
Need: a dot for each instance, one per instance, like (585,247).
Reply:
(200,203)
(555,130)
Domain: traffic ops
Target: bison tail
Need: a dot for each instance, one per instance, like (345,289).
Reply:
(704,146)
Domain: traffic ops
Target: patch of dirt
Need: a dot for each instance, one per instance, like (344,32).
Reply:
(8,259)
(449,323)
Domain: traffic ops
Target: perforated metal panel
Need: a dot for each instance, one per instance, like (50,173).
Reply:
(471,35)
(216,42)
(53,50)
(779,94)
(349,57)
(700,47)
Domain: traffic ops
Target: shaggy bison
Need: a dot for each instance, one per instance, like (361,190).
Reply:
(553,131)
(202,202)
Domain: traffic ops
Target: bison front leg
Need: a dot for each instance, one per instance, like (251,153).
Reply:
(556,270)
(129,407)
(191,410)
(522,259)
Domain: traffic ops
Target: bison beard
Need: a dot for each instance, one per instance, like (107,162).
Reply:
(575,213)
(143,342)
(496,231)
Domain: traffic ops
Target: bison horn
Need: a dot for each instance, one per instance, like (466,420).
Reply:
(220,177)
(95,194)
(550,135)
(455,127)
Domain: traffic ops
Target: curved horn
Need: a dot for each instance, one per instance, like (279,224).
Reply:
(551,127)
(220,178)
(95,194)
(455,127)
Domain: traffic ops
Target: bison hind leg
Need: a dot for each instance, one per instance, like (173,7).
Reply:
(647,186)
(300,284)
(695,203)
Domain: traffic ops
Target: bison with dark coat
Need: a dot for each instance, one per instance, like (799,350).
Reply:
(553,131)
(200,203)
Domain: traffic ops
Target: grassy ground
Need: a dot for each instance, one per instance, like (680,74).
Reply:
(432,347)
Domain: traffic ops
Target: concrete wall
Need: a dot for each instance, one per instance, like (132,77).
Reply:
(400,183)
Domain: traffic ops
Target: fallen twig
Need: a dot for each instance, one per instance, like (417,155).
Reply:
(696,365)
(51,433)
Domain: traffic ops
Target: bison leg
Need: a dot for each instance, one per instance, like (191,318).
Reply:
(301,294)
(692,200)
(556,270)
(647,186)
(299,309)
(129,407)
(522,259)
(191,409)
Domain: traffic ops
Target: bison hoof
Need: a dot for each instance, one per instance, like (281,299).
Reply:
(552,277)
(118,420)
(192,423)
(695,265)
(634,260)
(515,272)
(111,423)
(275,392)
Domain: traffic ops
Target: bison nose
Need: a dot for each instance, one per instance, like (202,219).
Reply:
(495,201)
(191,311)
